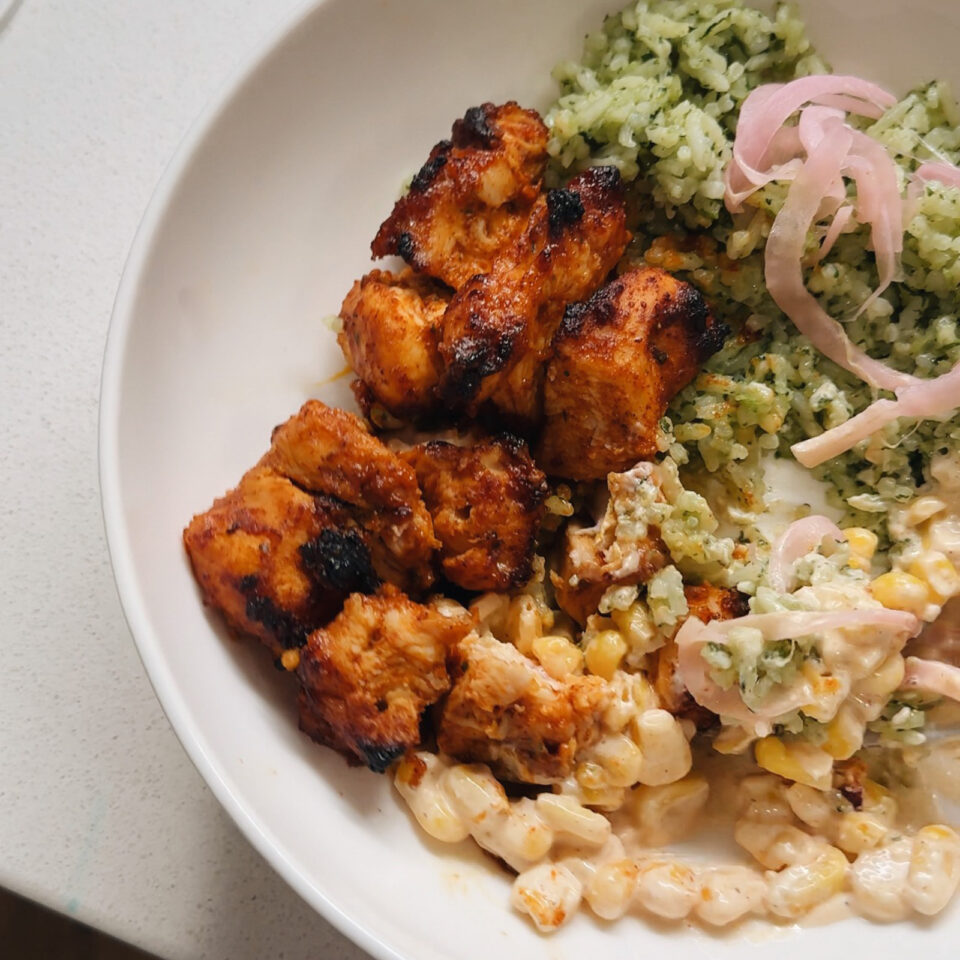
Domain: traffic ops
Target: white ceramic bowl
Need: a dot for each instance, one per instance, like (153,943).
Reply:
(257,230)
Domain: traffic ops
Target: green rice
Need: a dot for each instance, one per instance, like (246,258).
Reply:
(657,93)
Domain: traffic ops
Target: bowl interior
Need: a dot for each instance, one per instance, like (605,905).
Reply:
(255,235)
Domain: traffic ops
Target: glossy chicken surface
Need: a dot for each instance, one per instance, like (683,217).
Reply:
(367,677)
(391,338)
(327,511)
(505,710)
(471,199)
(486,500)
(499,326)
(618,360)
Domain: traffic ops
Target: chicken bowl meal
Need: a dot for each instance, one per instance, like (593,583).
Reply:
(648,524)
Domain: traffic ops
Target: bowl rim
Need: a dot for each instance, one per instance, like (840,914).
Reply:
(132,603)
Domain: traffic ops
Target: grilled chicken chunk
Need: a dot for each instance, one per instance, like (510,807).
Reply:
(391,338)
(618,360)
(327,511)
(498,327)
(252,554)
(331,451)
(609,552)
(505,710)
(368,676)
(486,501)
(472,197)
(706,603)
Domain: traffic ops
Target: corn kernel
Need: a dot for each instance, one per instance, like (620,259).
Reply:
(417,781)
(763,798)
(667,813)
(776,845)
(939,573)
(604,653)
(844,734)
(567,815)
(290,659)
(814,807)
(523,623)
(559,506)
(475,792)
(732,740)
(521,839)
(828,693)
(638,629)
(558,656)
(797,889)
(664,747)
(798,761)
(898,590)
(591,776)
(858,831)
(934,869)
(885,679)
(549,893)
(611,888)
(620,758)
(728,893)
(922,509)
(878,880)
(879,801)
(667,888)
(863,545)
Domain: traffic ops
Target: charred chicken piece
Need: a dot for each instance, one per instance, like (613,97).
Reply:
(498,328)
(608,553)
(391,338)
(706,603)
(506,711)
(472,197)
(326,512)
(368,676)
(486,500)
(331,451)
(618,360)
(256,555)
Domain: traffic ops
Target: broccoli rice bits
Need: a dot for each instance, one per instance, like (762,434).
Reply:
(653,523)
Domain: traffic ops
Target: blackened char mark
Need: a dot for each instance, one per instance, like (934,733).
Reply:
(428,172)
(475,358)
(474,129)
(379,756)
(406,247)
(689,306)
(340,559)
(288,630)
(598,309)
(564,208)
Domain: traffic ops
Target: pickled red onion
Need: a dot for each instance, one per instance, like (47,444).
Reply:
(933,676)
(766,110)
(783,269)
(879,205)
(798,539)
(694,671)
(838,224)
(945,173)
(921,399)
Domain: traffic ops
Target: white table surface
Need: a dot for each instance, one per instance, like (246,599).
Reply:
(101,813)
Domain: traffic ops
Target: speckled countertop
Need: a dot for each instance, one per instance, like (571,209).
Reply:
(101,813)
